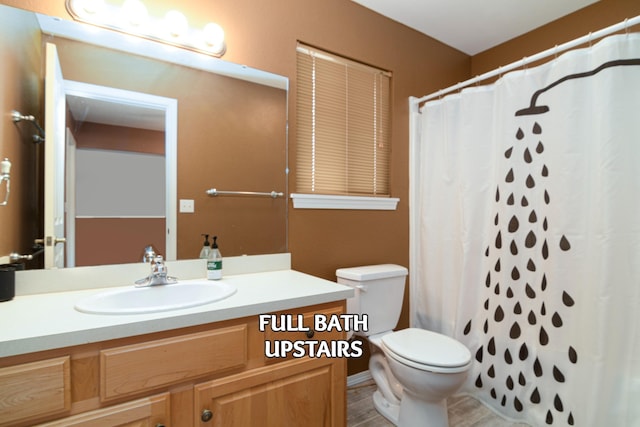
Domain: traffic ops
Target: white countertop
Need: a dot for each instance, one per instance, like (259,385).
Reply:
(37,322)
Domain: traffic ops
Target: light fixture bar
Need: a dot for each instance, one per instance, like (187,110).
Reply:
(132,18)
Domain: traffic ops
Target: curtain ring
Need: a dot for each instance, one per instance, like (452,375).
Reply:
(555,52)
(626,25)
(523,65)
(590,34)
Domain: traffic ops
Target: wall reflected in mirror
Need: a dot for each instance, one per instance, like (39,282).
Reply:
(115,168)
(21,90)
(231,135)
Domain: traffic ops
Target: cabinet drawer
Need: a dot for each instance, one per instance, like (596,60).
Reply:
(150,411)
(140,367)
(33,390)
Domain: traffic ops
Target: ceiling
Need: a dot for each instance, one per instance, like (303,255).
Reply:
(473,26)
(85,109)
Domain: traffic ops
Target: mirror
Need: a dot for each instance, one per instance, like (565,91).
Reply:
(231,136)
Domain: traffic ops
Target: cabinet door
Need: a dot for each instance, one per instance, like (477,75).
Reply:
(152,411)
(304,392)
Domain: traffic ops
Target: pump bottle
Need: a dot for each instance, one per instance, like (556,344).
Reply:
(204,252)
(214,263)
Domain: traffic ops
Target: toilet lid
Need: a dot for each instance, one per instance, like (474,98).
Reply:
(427,348)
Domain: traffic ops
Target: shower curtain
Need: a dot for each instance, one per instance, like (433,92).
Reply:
(527,235)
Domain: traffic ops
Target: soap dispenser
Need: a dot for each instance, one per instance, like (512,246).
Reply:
(214,264)
(204,252)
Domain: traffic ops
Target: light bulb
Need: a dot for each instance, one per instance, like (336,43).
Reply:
(87,7)
(213,35)
(135,12)
(177,24)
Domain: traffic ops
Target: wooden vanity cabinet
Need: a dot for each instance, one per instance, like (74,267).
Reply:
(207,375)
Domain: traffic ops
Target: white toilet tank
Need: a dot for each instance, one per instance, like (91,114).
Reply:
(379,290)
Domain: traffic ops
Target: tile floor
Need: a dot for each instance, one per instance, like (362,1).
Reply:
(464,411)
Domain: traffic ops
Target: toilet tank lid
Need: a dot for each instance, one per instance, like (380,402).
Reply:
(371,272)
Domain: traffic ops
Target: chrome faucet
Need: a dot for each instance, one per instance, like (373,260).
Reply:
(149,254)
(158,275)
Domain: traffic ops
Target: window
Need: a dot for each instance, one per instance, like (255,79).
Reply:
(343,121)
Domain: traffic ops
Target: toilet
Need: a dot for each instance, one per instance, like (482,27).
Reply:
(415,370)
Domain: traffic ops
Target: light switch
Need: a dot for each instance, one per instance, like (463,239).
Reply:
(186,206)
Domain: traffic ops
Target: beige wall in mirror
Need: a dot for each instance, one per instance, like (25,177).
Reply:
(231,136)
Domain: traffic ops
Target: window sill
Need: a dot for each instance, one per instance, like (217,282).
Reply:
(323,201)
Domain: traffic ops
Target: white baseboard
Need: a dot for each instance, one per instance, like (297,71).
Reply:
(358,378)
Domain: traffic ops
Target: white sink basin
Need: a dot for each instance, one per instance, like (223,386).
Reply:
(152,299)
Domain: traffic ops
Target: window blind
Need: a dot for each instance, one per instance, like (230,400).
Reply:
(343,121)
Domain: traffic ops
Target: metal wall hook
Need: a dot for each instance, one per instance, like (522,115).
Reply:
(16,117)
(35,251)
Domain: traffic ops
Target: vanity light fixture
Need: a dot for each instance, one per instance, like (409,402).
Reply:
(133,18)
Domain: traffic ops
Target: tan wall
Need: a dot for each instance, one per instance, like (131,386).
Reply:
(117,240)
(107,137)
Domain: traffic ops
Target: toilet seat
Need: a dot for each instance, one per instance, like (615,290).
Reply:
(426,350)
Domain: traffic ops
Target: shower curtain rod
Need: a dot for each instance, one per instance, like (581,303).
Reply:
(629,22)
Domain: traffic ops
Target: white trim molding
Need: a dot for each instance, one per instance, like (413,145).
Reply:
(359,378)
(324,201)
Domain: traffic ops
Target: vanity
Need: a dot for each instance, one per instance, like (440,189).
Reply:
(198,366)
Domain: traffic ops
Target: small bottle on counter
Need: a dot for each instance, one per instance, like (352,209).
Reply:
(206,250)
(214,263)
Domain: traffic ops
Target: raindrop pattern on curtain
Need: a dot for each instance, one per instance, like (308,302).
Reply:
(518,288)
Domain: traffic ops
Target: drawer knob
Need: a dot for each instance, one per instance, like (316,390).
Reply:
(310,333)
(206,415)
(159,425)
